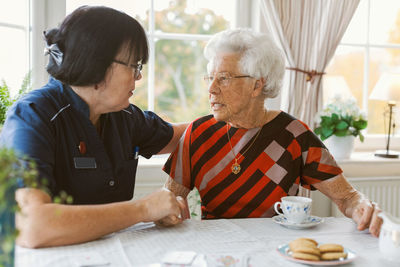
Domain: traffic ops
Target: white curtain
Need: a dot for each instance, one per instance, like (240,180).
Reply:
(309,32)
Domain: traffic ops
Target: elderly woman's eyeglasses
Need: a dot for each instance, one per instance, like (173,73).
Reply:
(223,78)
(136,68)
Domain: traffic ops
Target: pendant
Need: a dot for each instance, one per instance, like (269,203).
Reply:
(235,168)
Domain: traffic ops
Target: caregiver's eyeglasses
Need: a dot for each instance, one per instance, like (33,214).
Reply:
(136,68)
(223,78)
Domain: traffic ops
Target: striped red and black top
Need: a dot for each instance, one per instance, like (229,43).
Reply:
(285,154)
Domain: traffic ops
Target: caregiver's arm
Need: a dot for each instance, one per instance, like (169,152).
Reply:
(43,224)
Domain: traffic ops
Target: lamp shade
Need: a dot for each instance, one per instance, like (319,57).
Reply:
(387,88)
(335,85)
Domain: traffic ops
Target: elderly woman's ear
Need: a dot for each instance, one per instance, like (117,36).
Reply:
(258,87)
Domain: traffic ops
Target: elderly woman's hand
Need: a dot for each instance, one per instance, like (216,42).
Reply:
(352,203)
(365,214)
(172,219)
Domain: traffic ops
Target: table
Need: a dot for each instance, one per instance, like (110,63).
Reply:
(253,240)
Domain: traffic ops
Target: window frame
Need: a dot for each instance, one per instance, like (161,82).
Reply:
(372,141)
(241,20)
(27,29)
(45,18)
(46,14)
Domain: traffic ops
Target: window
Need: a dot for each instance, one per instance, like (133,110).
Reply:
(15,44)
(370,47)
(177,30)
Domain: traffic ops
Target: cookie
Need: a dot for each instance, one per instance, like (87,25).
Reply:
(308,239)
(309,250)
(300,243)
(333,256)
(305,256)
(331,248)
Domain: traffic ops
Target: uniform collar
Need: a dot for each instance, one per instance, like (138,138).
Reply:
(75,100)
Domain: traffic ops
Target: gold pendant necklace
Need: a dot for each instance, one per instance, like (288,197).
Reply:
(235,168)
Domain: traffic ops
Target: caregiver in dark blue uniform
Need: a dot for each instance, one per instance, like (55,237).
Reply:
(85,136)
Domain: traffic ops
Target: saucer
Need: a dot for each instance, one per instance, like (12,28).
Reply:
(310,222)
(285,252)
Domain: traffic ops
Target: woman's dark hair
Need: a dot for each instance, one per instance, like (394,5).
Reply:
(90,38)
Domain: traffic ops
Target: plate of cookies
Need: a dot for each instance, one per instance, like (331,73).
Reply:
(308,251)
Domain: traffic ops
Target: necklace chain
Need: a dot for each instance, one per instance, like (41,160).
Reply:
(236,166)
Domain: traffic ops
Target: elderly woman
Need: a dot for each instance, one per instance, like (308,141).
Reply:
(85,136)
(245,157)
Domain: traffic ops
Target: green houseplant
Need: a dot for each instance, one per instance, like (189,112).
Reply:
(338,125)
(14,173)
(341,118)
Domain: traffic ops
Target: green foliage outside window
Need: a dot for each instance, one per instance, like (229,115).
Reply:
(180,93)
(6,100)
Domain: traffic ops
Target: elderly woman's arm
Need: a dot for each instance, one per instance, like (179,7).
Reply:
(43,224)
(352,203)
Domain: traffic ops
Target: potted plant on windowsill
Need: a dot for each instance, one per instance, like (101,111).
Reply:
(338,125)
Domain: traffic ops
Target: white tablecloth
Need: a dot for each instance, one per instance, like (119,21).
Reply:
(253,239)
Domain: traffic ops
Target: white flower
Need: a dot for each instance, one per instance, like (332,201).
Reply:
(363,115)
(343,107)
(345,110)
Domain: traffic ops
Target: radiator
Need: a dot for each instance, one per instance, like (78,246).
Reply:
(383,190)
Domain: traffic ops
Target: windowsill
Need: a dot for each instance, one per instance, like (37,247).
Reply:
(154,161)
(366,157)
(361,165)
(365,164)
(356,157)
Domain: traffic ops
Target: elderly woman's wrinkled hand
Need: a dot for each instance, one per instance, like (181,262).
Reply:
(172,220)
(162,204)
(365,214)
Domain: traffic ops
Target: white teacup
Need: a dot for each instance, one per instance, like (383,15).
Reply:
(295,209)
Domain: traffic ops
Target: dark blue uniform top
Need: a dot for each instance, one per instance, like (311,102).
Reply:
(48,125)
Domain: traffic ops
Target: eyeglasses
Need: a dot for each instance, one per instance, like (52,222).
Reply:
(136,68)
(223,78)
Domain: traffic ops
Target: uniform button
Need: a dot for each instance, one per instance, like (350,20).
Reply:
(111,183)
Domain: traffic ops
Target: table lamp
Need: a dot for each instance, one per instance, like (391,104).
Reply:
(387,89)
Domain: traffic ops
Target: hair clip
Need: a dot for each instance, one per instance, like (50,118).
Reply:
(54,51)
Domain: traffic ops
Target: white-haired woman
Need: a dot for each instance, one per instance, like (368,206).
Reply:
(245,157)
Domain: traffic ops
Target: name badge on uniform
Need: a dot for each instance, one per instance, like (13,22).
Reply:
(85,163)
